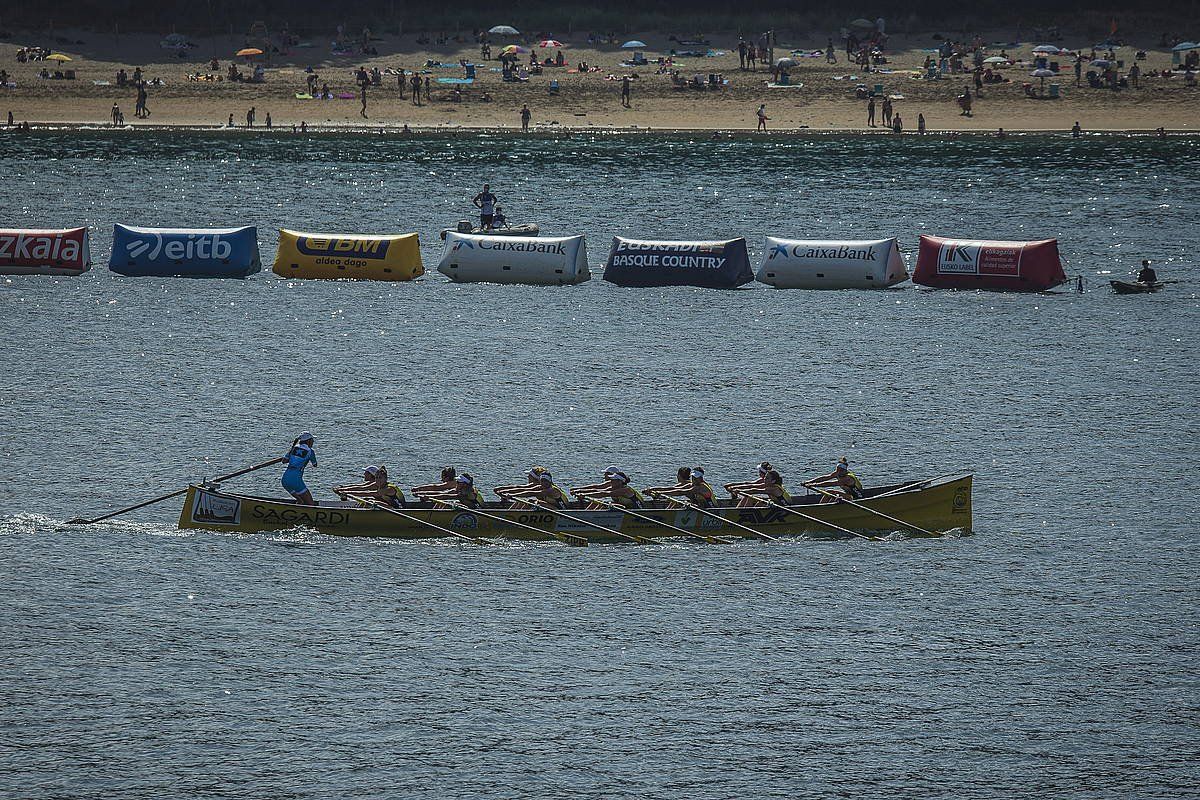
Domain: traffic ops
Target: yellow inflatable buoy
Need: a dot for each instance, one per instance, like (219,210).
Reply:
(348,255)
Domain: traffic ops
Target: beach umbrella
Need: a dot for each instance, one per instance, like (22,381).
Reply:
(59,57)
(554,43)
(633,44)
(1101,63)
(862,23)
(504,30)
(785,63)
(1179,48)
(996,60)
(514,49)
(1043,74)
(1048,49)
(249,51)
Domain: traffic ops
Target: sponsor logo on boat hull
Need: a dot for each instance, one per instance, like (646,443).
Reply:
(308,516)
(212,509)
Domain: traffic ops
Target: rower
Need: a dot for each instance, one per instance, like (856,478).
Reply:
(683,479)
(446,484)
(367,484)
(763,468)
(1147,274)
(467,494)
(541,489)
(615,487)
(532,481)
(300,456)
(771,487)
(691,486)
(376,488)
(842,478)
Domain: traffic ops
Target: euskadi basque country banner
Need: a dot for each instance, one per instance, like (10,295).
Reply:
(714,265)
(44,252)
(185,252)
(973,264)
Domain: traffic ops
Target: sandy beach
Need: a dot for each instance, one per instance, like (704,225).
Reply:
(824,100)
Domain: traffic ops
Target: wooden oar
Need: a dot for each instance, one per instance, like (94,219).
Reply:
(631,537)
(817,520)
(731,523)
(411,518)
(565,538)
(645,518)
(861,507)
(230,476)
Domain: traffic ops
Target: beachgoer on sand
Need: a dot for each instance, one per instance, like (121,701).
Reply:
(526,114)
(762,116)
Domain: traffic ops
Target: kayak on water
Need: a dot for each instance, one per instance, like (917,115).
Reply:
(1136,287)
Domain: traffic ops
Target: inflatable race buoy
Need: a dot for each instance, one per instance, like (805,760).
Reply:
(813,264)
(714,265)
(552,261)
(185,252)
(348,255)
(973,264)
(44,252)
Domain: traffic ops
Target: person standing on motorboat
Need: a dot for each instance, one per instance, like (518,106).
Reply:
(485,201)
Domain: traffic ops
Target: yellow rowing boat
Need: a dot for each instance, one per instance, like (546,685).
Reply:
(938,505)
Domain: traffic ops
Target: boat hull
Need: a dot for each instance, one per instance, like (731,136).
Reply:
(1135,287)
(937,506)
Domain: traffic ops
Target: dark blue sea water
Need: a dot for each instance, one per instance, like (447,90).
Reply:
(1053,652)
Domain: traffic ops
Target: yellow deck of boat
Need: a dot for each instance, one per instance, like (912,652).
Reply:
(938,505)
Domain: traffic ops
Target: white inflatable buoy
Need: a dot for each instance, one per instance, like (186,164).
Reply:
(540,260)
(821,264)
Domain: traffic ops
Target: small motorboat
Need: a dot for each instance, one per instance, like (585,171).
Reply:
(1136,287)
(528,229)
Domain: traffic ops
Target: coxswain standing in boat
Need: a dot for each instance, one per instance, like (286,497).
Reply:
(842,478)
(615,487)
(691,486)
(769,486)
(485,201)
(1147,275)
(446,484)
(300,456)
(541,490)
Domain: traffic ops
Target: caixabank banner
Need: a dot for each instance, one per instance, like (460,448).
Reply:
(541,260)
(185,252)
(713,265)
(44,252)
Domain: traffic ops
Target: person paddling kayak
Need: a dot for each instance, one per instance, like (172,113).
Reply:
(1147,273)
(300,456)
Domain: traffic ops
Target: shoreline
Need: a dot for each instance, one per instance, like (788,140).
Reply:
(553,131)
